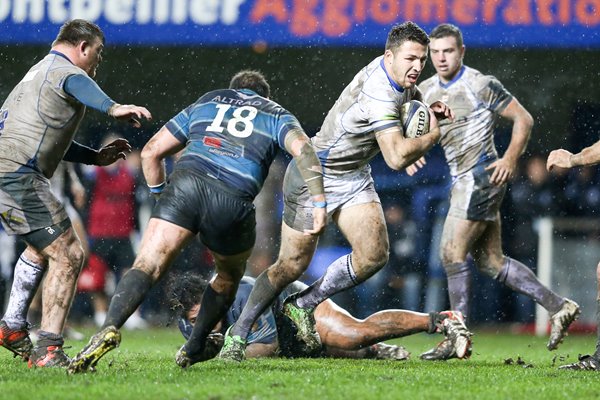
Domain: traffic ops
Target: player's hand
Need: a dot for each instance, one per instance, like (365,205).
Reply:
(559,158)
(79,196)
(130,113)
(113,151)
(441,110)
(319,221)
(503,171)
(416,166)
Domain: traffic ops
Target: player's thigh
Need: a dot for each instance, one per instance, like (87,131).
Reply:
(364,227)
(458,237)
(161,244)
(66,250)
(295,254)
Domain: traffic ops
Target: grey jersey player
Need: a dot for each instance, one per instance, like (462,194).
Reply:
(363,122)
(38,121)
(479,179)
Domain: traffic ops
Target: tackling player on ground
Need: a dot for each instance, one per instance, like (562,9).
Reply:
(342,335)
(38,121)
(364,121)
(479,180)
(229,138)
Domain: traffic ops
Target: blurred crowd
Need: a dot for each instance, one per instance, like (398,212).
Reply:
(113,204)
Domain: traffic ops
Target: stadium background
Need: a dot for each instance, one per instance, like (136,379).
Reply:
(164,54)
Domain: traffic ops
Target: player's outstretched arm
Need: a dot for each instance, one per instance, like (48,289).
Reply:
(129,113)
(299,146)
(115,150)
(565,159)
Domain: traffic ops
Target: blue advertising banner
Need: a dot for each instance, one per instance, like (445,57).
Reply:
(489,23)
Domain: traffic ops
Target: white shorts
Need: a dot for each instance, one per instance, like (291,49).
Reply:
(341,191)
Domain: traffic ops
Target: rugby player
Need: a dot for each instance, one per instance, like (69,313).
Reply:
(479,180)
(38,121)
(364,121)
(229,138)
(565,159)
(342,335)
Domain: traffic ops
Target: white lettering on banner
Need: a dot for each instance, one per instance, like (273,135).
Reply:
(118,11)
(4,10)
(143,13)
(86,9)
(34,9)
(179,12)
(204,12)
(161,11)
(57,12)
(231,11)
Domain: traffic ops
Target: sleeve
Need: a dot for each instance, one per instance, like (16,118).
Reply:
(493,94)
(286,122)
(179,125)
(84,89)
(264,329)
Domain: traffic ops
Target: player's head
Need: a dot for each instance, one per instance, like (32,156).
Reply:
(447,50)
(406,53)
(253,80)
(185,293)
(87,39)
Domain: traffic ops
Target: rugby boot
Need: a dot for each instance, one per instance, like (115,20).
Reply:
(48,356)
(213,344)
(458,339)
(304,320)
(16,340)
(390,352)
(585,363)
(101,343)
(234,348)
(560,322)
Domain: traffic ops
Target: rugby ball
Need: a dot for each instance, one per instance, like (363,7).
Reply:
(414,117)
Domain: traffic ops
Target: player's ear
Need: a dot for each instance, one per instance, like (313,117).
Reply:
(83,47)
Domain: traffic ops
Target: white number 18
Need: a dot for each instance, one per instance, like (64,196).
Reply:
(238,117)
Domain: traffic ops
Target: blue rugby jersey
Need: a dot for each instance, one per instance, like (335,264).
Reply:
(232,136)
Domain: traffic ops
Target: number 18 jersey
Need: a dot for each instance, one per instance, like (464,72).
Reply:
(232,136)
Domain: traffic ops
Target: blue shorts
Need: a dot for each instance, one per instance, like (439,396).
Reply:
(225,223)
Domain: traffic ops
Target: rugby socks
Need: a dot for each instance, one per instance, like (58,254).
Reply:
(435,322)
(522,279)
(212,309)
(459,286)
(46,339)
(129,294)
(262,296)
(339,276)
(27,278)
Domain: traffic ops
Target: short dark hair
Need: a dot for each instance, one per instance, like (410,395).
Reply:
(185,291)
(253,80)
(445,30)
(78,30)
(406,31)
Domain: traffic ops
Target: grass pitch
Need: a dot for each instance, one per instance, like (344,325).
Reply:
(144,368)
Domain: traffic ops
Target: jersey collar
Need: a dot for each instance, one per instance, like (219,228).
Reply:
(392,82)
(457,77)
(58,53)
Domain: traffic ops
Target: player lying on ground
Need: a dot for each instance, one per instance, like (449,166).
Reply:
(341,334)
